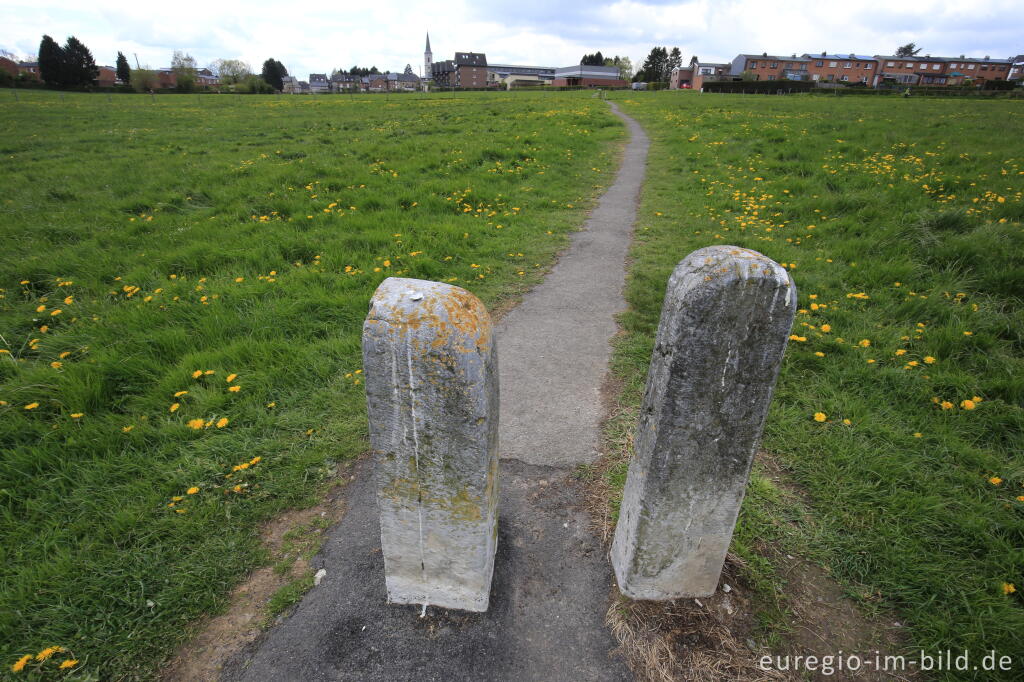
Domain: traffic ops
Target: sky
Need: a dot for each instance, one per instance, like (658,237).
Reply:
(319,36)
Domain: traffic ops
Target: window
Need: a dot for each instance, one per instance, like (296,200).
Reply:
(753,65)
(775,65)
(890,64)
(867,66)
(816,76)
(819,63)
(908,65)
(970,67)
(847,65)
(984,67)
(789,65)
(833,64)
(771,77)
(845,78)
(936,67)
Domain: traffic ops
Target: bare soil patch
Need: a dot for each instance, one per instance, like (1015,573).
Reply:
(289,539)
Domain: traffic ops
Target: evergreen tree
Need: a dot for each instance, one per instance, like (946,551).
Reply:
(655,67)
(78,68)
(51,60)
(675,60)
(273,72)
(124,72)
(908,50)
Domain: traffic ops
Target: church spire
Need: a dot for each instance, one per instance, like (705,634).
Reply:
(428,41)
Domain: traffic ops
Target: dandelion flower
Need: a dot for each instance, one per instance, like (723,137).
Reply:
(40,308)
(56,365)
(222,422)
(192,491)
(174,407)
(209,372)
(196,374)
(230,378)
(929,360)
(235,389)
(995,480)
(31,406)
(819,354)
(826,328)
(272,404)
(847,422)
(820,416)
(20,664)
(126,429)
(976,399)
(917,434)
(47,652)
(180,393)
(196,424)
(70,663)
(864,343)
(967,404)
(77,415)
(901,351)
(1008,588)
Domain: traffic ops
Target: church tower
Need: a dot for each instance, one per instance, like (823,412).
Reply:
(428,61)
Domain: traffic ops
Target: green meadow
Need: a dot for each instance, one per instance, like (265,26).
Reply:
(182,288)
(898,413)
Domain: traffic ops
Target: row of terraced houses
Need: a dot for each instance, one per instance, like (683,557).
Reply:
(867,70)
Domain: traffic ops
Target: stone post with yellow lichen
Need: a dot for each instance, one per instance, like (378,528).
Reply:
(724,326)
(432,396)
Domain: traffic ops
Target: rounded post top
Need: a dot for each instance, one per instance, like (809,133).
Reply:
(430,307)
(722,264)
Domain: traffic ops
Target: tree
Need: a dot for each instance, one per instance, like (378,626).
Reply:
(184,67)
(124,72)
(231,71)
(273,72)
(625,68)
(596,59)
(675,60)
(51,61)
(78,68)
(908,50)
(655,66)
(144,80)
(408,70)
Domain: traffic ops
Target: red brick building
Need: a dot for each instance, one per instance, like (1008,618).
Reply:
(843,68)
(467,70)
(9,66)
(766,67)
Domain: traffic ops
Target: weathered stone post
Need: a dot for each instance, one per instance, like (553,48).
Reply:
(724,325)
(432,396)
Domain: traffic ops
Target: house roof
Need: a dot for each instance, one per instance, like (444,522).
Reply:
(470,59)
(847,57)
(775,57)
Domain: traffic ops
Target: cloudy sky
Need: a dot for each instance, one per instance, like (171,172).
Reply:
(318,36)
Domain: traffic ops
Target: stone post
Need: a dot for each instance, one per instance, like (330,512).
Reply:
(432,397)
(724,326)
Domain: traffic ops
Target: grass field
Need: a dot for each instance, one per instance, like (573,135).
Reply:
(182,288)
(898,412)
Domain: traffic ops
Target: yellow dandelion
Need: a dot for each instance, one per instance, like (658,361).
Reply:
(174,407)
(976,399)
(77,415)
(826,328)
(180,393)
(20,664)
(901,352)
(847,422)
(222,422)
(864,343)
(820,416)
(967,404)
(70,663)
(209,372)
(272,404)
(255,460)
(40,308)
(47,652)
(995,480)
(31,406)
(196,374)
(235,389)
(819,354)
(239,279)
(230,378)
(918,434)
(192,491)
(126,429)
(929,360)
(1008,588)
(54,313)
(946,405)
(56,365)
(196,424)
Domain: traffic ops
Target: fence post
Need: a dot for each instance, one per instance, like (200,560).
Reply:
(724,326)
(432,396)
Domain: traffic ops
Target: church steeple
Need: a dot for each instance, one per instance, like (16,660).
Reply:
(428,60)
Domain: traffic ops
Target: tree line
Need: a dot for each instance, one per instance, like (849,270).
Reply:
(72,66)
(624,64)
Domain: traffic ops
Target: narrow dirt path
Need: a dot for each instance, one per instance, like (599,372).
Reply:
(551,578)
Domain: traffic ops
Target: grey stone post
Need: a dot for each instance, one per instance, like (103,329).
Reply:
(724,326)
(432,396)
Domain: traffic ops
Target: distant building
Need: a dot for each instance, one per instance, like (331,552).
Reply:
(318,83)
(467,70)
(31,69)
(588,77)
(290,85)
(107,77)
(843,68)
(1016,68)
(912,70)
(766,67)
(510,75)
(9,66)
(697,73)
